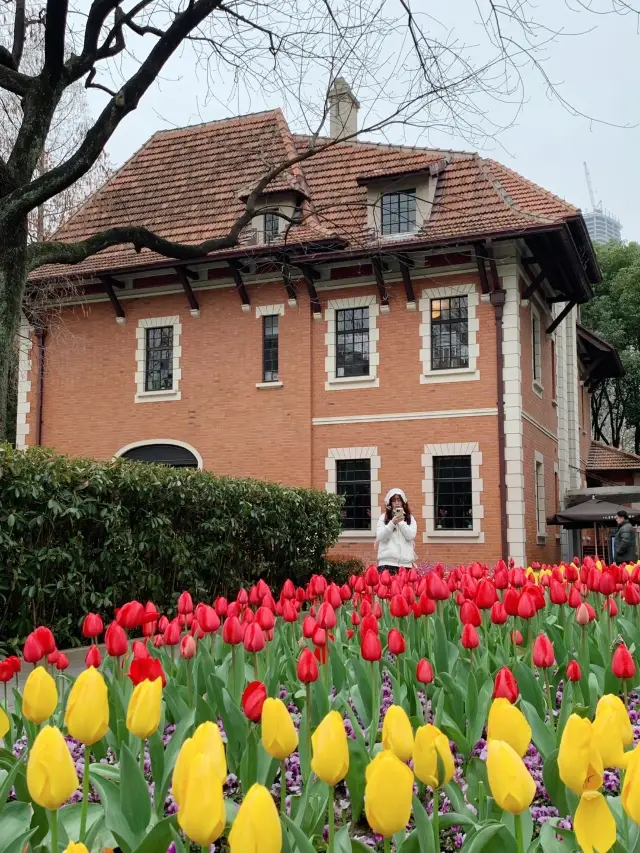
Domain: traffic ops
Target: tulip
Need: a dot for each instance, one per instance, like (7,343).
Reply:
(582,612)
(92,625)
(33,651)
(511,784)
(131,615)
(93,658)
(140,650)
(279,736)
(51,774)
(371,576)
(265,618)
(201,812)
(527,606)
(257,825)
(486,595)
(39,697)
(326,617)
(371,648)
(115,640)
(436,587)
(470,614)
(62,663)
(498,614)
(579,760)
(593,823)
(557,592)
(5,725)
(516,637)
(330,749)
(232,631)
(75,847)
(399,607)
(46,639)
(253,700)
(622,664)
(185,604)
(631,788)
(397,734)
(505,685)
(543,654)
(511,600)
(206,739)
(146,669)
(612,731)
(145,707)
(429,744)
(188,647)
(507,723)
(424,672)
(470,639)
(395,642)
(87,713)
(574,673)
(6,671)
(388,793)
(307,669)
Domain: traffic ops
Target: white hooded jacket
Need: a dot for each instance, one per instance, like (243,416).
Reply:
(396,541)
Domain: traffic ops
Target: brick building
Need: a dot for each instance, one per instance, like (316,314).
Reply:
(415,326)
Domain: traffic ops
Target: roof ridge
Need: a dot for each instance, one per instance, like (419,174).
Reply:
(416,149)
(502,193)
(538,187)
(217,122)
(618,450)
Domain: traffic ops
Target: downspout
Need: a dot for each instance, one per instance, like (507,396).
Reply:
(497,297)
(40,336)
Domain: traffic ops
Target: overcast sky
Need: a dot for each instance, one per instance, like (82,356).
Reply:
(597,73)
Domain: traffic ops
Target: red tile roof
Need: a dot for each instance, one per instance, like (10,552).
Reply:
(187,186)
(605,458)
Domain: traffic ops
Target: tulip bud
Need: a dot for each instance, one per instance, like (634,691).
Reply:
(574,673)
(46,639)
(543,654)
(232,631)
(498,614)
(257,825)
(92,625)
(424,672)
(395,642)
(388,794)
(399,607)
(397,734)
(516,638)
(145,707)
(201,813)
(279,736)
(307,669)
(470,614)
(582,614)
(330,750)
(33,651)
(93,658)
(51,774)
(511,784)
(39,697)
(470,639)
(87,713)
(188,647)
(622,664)
(507,723)
(326,617)
(185,604)
(430,745)
(62,663)
(115,640)
(146,669)
(6,671)
(253,700)
(371,648)
(505,685)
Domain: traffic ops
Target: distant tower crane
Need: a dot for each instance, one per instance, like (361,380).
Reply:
(594,206)
(601,224)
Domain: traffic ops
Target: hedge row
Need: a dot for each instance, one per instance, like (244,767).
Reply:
(79,535)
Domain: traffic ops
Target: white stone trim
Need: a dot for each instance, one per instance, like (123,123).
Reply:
(559,501)
(149,441)
(25,365)
(270,310)
(463,374)
(431,534)
(336,453)
(405,416)
(540,498)
(263,385)
(174,393)
(536,346)
(539,426)
(332,382)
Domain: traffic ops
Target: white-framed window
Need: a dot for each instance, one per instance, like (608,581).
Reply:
(270,315)
(158,353)
(398,212)
(449,332)
(270,226)
(452,489)
(540,498)
(536,351)
(397,208)
(351,339)
(354,472)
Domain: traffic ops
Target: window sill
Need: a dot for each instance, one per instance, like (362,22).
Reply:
(157,396)
(340,382)
(458,374)
(400,235)
(356,535)
(264,385)
(452,532)
(541,539)
(538,388)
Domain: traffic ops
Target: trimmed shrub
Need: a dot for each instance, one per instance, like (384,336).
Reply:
(78,535)
(340,567)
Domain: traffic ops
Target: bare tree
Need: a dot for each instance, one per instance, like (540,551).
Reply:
(407,68)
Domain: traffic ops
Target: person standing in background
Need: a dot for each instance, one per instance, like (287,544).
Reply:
(396,533)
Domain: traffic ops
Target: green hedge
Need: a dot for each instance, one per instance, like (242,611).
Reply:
(78,535)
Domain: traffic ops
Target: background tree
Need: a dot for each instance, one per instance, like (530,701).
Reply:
(402,72)
(615,315)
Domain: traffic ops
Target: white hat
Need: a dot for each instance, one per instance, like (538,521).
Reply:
(391,493)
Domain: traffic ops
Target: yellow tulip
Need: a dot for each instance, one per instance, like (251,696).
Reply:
(579,760)
(279,736)
(612,731)
(330,760)
(51,774)
(397,734)
(87,714)
(5,725)
(388,793)
(39,697)
(594,825)
(145,708)
(508,723)
(75,847)
(256,828)
(512,786)
(431,743)
(631,786)
(201,813)
(206,739)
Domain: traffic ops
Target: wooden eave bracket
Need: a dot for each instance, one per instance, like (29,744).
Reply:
(235,267)
(567,308)
(110,284)
(405,272)
(310,275)
(383,291)
(184,274)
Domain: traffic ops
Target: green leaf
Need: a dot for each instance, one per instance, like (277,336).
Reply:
(549,841)
(542,735)
(440,648)
(7,784)
(159,838)
(358,760)
(495,835)
(113,817)
(249,763)
(554,785)
(302,843)
(342,841)
(156,753)
(529,687)
(16,819)
(477,723)
(17,845)
(424,827)
(135,804)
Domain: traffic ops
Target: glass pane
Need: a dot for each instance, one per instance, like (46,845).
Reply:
(453,505)
(449,333)
(352,342)
(353,478)
(398,212)
(159,359)
(270,348)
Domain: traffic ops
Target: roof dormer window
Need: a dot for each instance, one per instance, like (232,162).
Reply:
(271,227)
(398,212)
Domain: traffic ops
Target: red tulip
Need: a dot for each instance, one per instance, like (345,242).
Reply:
(92,625)
(46,639)
(140,650)
(424,671)
(131,615)
(33,651)
(527,606)
(263,589)
(207,618)
(15,663)
(622,664)
(93,657)
(501,578)
(498,614)
(254,596)
(265,618)
(232,632)
(516,638)
(53,657)
(162,624)
(399,607)
(289,612)
(371,648)
(511,601)
(254,640)
(332,596)
(326,617)
(308,627)
(505,685)
(436,588)
(369,623)
(345,592)
(371,576)
(557,592)
(172,633)
(631,594)
(395,642)
(247,616)
(470,614)
(146,669)
(185,603)
(253,699)
(486,595)
(188,647)
(115,640)
(6,671)
(582,614)
(607,582)
(574,673)
(151,617)
(62,663)
(288,589)
(470,639)
(319,637)
(221,605)
(307,668)
(574,599)
(158,641)
(611,606)
(543,654)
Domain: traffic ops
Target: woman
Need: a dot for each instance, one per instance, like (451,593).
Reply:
(396,533)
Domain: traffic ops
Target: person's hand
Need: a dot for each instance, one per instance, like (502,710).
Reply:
(398,518)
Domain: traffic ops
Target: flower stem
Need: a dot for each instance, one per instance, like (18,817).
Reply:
(517,819)
(332,820)
(187,845)
(375,711)
(308,728)
(54,831)
(85,794)
(549,697)
(283,788)
(387,844)
(435,819)
(142,755)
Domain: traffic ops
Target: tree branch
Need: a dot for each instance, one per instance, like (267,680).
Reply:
(54,37)
(12,80)
(19,29)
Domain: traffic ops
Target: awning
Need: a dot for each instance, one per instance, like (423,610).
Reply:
(599,360)
(587,514)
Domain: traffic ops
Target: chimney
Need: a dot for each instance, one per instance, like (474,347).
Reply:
(343,110)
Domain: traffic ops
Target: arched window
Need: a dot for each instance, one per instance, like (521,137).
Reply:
(175,454)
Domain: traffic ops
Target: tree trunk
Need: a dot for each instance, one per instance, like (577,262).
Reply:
(13,276)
